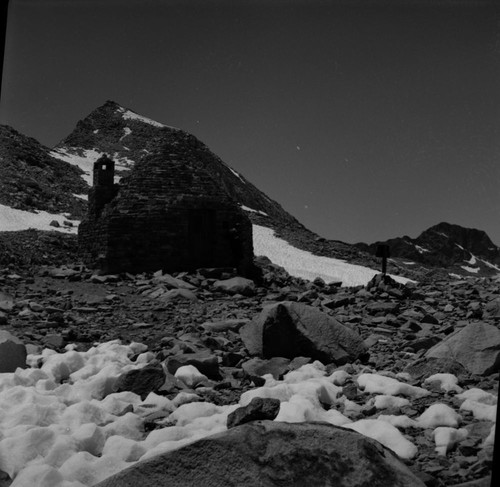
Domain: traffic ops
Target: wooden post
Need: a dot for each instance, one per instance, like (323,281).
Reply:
(384,251)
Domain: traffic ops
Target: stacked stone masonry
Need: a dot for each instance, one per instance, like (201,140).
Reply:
(168,213)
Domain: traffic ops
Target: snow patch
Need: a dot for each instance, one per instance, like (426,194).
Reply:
(236,174)
(473,270)
(421,249)
(387,434)
(246,208)
(127,131)
(85,162)
(472,260)
(12,220)
(376,383)
(300,263)
(81,196)
(130,115)
(63,426)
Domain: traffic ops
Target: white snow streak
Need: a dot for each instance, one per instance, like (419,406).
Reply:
(84,162)
(236,174)
(12,220)
(81,196)
(246,208)
(470,269)
(130,115)
(127,132)
(303,264)
(421,249)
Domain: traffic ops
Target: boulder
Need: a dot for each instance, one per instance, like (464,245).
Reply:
(6,302)
(268,454)
(291,330)
(233,324)
(172,282)
(141,381)
(257,367)
(492,309)
(178,295)
(258,409)
(12,352)
(236,285)
(205,362)
(476,346)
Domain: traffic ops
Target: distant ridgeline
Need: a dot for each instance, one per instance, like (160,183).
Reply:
(445,245)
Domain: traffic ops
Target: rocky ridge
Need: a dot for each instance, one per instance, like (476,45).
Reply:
(31,179)
(460,250)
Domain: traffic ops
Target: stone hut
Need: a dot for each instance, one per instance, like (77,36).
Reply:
(167,213)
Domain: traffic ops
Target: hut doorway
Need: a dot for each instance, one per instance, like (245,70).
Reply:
(201,237)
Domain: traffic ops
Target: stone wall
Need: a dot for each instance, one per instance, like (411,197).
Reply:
(166,214)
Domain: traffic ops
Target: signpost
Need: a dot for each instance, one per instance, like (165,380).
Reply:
(384,251)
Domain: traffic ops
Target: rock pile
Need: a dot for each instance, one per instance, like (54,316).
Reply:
(201,346)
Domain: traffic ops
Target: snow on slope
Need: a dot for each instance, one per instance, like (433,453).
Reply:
(130,115)
(300,263)
(62,426)
(84,162)
(12,220)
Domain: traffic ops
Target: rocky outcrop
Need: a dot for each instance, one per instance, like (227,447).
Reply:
(293,329)
(446,245)
(476,347)
(259,409)
(12,352)
(31,179)
(271,454)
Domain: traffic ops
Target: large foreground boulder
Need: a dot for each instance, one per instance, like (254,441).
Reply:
(12,352)
(476,347)
(267,454)
(290,330)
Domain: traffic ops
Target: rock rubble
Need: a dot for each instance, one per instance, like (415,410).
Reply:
(399,329)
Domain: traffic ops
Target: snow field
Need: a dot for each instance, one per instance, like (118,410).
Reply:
(85,162)
(12,220)
(300,263)
(61,424)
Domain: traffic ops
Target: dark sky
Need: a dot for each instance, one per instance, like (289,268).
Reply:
(365,120)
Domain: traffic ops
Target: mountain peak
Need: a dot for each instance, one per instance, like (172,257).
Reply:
(128,137)
(447,245)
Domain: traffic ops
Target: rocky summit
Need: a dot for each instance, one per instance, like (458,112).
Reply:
(205,376)
(444,245)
